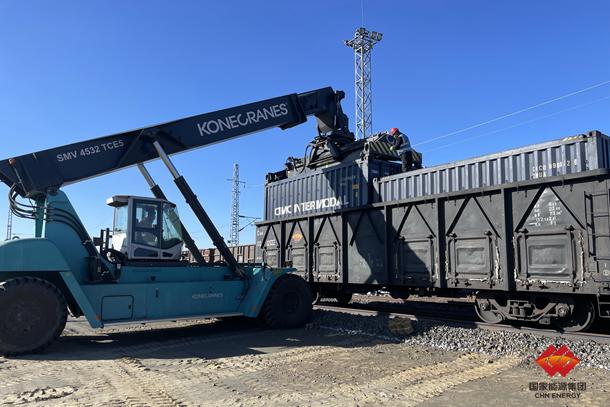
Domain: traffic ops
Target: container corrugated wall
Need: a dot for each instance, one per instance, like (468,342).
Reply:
(562,157)
(328,189)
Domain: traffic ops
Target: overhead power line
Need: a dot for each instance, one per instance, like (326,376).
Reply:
(567,95)
(518,124)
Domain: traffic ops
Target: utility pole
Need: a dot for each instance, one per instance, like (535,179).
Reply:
(9,225)
(234,235)
(363,43)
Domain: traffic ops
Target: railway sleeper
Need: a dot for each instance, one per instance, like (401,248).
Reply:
(566,313)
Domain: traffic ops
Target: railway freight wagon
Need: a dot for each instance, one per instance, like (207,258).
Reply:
(527,230)
(244,254)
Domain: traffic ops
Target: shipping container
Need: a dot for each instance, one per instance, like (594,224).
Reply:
(360,183)
(342,186)
(562,157)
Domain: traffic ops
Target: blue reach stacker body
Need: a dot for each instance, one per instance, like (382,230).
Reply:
(135,273)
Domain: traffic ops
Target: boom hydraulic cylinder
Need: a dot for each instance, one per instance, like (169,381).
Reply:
(186,237)
(204,219)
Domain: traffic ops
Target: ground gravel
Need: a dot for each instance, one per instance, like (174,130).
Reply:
(454,337)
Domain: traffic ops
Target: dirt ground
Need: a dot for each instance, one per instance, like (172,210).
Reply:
(235,362)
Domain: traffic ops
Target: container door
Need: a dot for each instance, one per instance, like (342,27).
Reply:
(297,244)
(268,244)
(470,258)
(549,243)
(546,256)
(473,247)
(413,245)
(327,251)
(366,247)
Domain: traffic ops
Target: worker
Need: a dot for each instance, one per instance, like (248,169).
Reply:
(402,146)
(149,219)
(147,225)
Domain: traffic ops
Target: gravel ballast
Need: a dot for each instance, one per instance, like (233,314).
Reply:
(453,337)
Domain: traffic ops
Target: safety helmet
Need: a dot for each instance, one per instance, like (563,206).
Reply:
(393,131)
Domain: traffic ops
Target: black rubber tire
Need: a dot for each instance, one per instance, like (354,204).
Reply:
(343,298)
(33,314)
(288,304)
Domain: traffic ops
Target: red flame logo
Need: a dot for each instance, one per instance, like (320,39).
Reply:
(555,360)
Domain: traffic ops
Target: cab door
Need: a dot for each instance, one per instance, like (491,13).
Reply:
(146,230)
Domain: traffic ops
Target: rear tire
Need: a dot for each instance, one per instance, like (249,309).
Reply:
(33,314)
(288,304)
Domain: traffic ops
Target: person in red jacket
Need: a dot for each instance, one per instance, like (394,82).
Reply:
(402,145)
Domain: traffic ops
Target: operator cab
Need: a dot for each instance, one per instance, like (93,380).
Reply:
(146,228)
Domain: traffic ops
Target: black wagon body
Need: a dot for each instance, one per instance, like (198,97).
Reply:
(527,229)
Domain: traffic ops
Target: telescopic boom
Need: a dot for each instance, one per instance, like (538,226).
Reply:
(34,174)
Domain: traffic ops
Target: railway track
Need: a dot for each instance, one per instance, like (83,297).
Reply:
(463,316)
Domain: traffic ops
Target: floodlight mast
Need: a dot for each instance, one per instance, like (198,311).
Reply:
(234,235)
(362,44)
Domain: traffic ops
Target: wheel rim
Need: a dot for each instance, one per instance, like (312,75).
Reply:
(581,318)
(488,316)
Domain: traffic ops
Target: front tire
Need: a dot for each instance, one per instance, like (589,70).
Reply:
(288,304)
(33,314)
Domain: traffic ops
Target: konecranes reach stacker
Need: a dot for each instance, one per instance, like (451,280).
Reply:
(137,275)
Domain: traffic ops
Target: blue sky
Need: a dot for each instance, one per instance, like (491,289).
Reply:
(75,70)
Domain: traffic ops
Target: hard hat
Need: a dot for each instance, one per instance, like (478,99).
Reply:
(393,131)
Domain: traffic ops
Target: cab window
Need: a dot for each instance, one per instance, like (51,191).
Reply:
(120,219)
(172,230)
(146,224)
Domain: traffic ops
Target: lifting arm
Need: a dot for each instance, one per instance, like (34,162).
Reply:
(186,236)
(35,173)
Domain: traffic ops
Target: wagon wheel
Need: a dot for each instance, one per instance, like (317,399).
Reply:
(581,318)
(486,313)
(33,314)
